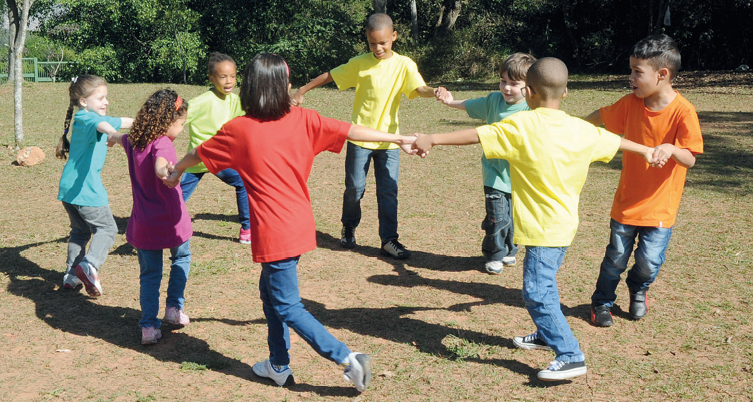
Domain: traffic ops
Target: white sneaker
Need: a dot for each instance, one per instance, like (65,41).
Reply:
(358,370)
(494,267)
(509,260)
(71,282)
(88,275)
(175,316)
(558,371)
(264,369)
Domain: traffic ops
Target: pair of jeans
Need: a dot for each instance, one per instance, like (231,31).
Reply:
(498,226)
(542,300)
(95,223)
(278,288)
(150,262)
(190,180)
(650,254)
(386,169)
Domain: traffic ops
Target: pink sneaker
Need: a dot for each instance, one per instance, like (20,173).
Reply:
(245,236)
(88,275)
(176,317)
(150,335)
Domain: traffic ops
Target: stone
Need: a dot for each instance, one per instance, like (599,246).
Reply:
(30,156)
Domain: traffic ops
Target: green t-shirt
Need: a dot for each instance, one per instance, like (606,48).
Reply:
(207,113)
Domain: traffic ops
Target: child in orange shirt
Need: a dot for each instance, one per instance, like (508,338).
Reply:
(645,204)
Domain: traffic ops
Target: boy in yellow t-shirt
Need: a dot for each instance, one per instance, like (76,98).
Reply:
(549,154)
(379,77)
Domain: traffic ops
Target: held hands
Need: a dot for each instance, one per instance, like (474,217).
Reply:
(661,155)
(296,99)
(443,95)
(422,145)
(172,179)
(406,144)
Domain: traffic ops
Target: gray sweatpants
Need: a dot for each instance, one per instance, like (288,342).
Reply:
(95,223)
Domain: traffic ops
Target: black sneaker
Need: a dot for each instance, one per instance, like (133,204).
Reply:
(530,342)
(348,239)
(394,249)
(558,371)
(601,316)
(638,304)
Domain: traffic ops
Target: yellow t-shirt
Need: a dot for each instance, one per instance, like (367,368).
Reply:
(378,85)
(549,154)
(206,115)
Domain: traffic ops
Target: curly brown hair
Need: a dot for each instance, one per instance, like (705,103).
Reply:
(159,112)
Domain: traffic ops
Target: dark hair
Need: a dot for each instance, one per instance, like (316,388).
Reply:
(548,77)
(81,87)
(264,91)
(516,66)
(216,58)
(159,112)
(379,21)
(659,51)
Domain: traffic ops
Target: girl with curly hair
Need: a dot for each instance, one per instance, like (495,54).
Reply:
(159,218)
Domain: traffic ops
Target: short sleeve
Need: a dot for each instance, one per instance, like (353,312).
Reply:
(477,108)
(215,152)
(496,139)
(413,80)
(615,116)
(345,75)
(689,133)
(327,134)
(606,146)
(163,147)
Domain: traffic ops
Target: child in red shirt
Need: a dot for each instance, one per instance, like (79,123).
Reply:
(272,147)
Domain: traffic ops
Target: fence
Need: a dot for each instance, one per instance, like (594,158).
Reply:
(35,70)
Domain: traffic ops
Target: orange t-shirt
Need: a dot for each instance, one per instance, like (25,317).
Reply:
(649,196)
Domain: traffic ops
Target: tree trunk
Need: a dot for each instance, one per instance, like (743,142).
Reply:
(20,23)
(11,39)
(414,20)
(380,6)
(448,14)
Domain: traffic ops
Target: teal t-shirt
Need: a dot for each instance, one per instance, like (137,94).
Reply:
(80,183)
(493,108)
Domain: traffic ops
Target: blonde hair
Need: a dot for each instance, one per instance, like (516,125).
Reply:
(81,87)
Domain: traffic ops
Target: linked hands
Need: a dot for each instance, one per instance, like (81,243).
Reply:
(422,145)
(443,95)
(172,179)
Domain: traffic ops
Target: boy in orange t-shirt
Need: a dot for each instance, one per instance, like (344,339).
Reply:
(645,204)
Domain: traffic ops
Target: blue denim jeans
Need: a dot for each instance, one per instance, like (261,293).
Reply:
(386,168)
(95,223)
(542,301)
(278,288)
(498,226)
(649,257)
(150,262)
(190,180)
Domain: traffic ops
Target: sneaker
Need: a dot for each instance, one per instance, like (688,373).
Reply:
(88,275)
(638,304)
(150,335)
(348,239)
(358,370)
(509,260)
(245,236)
(71,282)
(265,370)
(175,316)
(601,316)
(530,342)
(558,371)
(494,267)
(394,249)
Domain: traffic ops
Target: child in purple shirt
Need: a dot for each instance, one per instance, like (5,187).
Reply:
(159,218)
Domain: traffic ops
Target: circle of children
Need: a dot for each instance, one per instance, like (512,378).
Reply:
(535,162)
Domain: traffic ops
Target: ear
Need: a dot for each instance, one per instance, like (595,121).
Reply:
(290,86)
(82,102)
(663,74)
(565,93)
(394,36)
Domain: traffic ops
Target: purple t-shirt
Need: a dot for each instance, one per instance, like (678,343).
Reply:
(159,218)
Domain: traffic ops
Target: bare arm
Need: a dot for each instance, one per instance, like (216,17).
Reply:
(642,150)
(297,97)
(115,138)
(126,122)
(191,159)
(595,118)
(463,137)
(361,133)
(425,92)
(682,156)
(161,168)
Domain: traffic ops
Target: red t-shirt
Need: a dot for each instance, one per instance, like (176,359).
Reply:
(649,196)
(274,159)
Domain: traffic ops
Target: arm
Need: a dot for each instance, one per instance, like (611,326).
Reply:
(115,138)
(161,168)
(642,150)
(361,133)
(191,158)
(297,98)
(425,92)
(463,137)
(595,118)
(126,122)
(682,156)
(444,96)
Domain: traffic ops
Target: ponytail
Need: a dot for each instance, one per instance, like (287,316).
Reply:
(81,87)
(64,146)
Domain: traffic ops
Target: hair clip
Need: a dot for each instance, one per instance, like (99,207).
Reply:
(74,79)
(178,103)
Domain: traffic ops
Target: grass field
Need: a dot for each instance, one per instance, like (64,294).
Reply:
(436,326)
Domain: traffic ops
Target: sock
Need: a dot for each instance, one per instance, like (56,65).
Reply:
(279,369)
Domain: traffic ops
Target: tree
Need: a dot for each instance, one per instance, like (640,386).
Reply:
(18,11)
(448,15)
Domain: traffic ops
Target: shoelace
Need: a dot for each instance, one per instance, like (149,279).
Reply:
(556,365)
(530,338)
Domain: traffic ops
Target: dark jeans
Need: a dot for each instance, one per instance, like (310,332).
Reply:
(498,226)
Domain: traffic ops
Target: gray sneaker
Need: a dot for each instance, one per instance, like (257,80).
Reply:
(494,267)
(358,370)
(264,369)
(394,249)
(509,260)
(348,238)
(530,342)
(558,371)
(71,281)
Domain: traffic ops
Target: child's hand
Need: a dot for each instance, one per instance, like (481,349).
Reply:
(296,99)
(661,155)
(406,144)
(172,180)
(443,95)
(111,142)
(422,145)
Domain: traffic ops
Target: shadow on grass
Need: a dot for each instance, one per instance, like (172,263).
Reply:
(74,312)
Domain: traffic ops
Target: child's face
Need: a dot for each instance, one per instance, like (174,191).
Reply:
(176,128)
(223,77)
(380,42)
(511,90)
(96,101)
(645,79)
